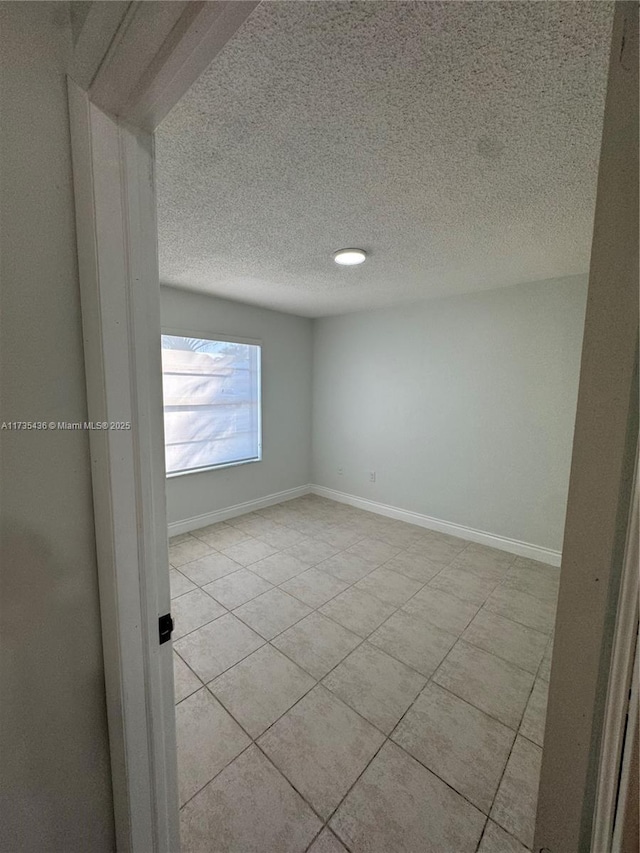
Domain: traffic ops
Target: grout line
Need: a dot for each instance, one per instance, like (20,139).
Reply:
(317,609)
(201,682)
(319,681)
(500,657)
(312,687)
(222,769)
(264,642)
(507,764)
(528,739)
(204,624)
(497,791)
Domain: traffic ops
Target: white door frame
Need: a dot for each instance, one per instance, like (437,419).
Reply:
(619,693)
(118,280)
(601,481)
(625,808)
(132,63)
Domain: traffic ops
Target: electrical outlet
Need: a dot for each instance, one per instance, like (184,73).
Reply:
(340,470)
(372,476)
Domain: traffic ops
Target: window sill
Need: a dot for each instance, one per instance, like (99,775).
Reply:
(213,468)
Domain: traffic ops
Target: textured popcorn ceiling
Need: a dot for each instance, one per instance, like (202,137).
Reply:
(456,142)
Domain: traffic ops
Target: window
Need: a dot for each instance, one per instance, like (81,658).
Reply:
(211,403)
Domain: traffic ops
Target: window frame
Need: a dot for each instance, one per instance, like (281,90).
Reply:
(232,339)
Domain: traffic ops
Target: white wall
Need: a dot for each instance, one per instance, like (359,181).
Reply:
(464,407)
(54,776)
(286,403)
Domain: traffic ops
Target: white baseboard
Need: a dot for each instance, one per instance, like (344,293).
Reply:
(513,546)
(198,521)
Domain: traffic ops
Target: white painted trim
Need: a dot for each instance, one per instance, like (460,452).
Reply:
(210,336)
(513,546)
(198,521)
(99,29)
(160,50)
(627,760)
(620,677)
(136,60)
(120,300)
(602,468)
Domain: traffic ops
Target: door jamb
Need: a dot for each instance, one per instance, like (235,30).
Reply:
(112,120)
(621,676)
(602,469)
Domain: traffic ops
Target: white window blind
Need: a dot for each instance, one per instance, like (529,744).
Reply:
(211,403)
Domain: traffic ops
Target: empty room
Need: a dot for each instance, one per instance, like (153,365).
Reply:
(368,451)
(320,427)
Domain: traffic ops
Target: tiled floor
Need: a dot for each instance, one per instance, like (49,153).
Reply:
(345,681)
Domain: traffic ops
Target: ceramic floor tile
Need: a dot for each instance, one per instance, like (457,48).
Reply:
(220,535)
(402,536)
(192,610)
(522,608)
(412,566)
(496,840)
(208,739)
(545,666)
(493,685)
(261,688)
(358,611)
(307,526)
(347,567)
(237,588)
(341,537)
(438,548)
(248,808)
(323,735)
(388,586)
(312,551)
(533,722)
(280,513)
(250,551)
(398,805)
(413,641)
(460,744)
(446,538)
(317,644)
(515,805)
(185,552)
(253,524)
(375,685)
(463,585)
(184,681)
(441,609)
(365,527)
(545,570)
(326,842)
(314,588)
(179,583)
(208,569)
(537,583)
(484,562)
(211,650)
(374,550)
(282,537)
(507,639)
(179,538)
(279,568)
(321,746)
(272,612)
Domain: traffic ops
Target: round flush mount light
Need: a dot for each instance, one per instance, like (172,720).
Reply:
(350,257)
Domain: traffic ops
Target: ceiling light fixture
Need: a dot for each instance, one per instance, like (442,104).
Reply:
(350,257)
